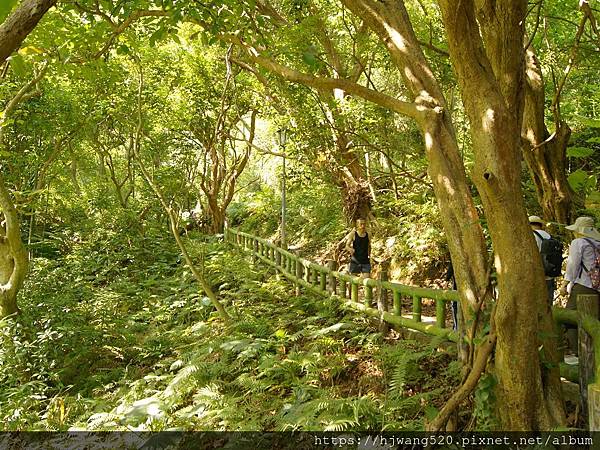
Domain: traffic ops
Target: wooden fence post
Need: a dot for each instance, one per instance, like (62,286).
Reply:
(440,313)
(382,300)
(332,266)
(397,303)
(354,294)
(368,290)
(417,307)
(323,280)
(586,304)
(298,272)
(594,406)
(343,291)
(307,274)
(254,251)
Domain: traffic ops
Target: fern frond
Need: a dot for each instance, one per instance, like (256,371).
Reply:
(340,424)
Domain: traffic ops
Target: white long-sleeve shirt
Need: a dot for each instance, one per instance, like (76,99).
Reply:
(580,251)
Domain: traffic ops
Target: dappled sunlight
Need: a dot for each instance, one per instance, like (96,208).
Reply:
(445,181)
(428,140)
(396,37)
(488,119)
(533,74)
(470,295)
(498,264)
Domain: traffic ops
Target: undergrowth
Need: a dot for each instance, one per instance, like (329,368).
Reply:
(108,342)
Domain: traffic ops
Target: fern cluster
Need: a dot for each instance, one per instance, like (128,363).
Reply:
(159,358)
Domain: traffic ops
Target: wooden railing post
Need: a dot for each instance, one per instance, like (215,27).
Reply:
(323,280)
(368,294)
(440,313)
(382,297)
(343,291)
(254,250)
(354,294)
(416,308)
(586,305)
(594,406)
(298,271)
(331,285)
(397,303)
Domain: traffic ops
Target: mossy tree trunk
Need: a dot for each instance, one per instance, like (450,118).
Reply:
(545,153)
(486,49)
(491,81)
(14,260)
(13,256)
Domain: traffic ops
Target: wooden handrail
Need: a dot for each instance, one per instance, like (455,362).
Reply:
(283,260)
(347,293)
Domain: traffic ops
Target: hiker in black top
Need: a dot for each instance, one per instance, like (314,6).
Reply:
(358,245)
(537,226)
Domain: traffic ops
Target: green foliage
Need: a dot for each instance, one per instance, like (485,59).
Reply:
(579,152)
(5,8)
(484,411)
(135,346)
(581,181)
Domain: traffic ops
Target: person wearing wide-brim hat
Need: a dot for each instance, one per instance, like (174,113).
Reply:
(582,252)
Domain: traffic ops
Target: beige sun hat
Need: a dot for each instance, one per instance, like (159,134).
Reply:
(536,219)
(585,225)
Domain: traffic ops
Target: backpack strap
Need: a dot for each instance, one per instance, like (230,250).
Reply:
(538,235)
(595,250)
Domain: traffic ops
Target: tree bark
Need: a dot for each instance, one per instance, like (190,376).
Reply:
(545,154)
(390,21)
(490,78)
(493,98)
(20,23)
(13,256)
(14,260)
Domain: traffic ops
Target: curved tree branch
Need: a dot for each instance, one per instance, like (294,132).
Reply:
(483,353)
(20,23)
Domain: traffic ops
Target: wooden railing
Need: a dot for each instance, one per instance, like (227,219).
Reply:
(407,301)
(406,309)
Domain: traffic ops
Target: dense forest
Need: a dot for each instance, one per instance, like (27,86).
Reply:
(134,134)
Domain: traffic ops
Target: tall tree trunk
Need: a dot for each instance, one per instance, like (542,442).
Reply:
(217,220)
(390,21)
(13,256)
(14,260)
(491,85)
(544,153)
